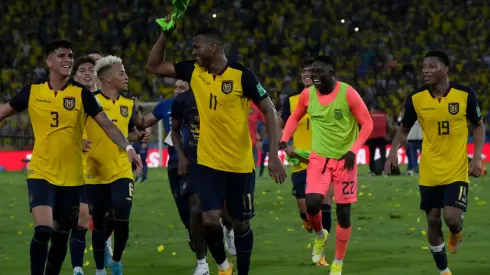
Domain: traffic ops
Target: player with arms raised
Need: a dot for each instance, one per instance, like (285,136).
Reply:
(302,140)
(336,110)
(443,109)
(223,91)
(58,109)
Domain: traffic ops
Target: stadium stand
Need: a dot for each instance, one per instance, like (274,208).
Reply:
(378,45)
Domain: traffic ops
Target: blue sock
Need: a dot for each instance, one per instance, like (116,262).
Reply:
(39,248)
(244,245)
(57,253)
(327,216)
(440,257)
(77,246)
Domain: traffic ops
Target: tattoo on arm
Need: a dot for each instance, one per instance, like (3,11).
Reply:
(111,130)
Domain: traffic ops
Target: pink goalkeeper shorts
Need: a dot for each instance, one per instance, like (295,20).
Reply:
(322,172)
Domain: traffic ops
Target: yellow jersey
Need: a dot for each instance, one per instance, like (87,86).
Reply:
(444,123)
(57,120)
(106,162)
(223,102)
(302,136)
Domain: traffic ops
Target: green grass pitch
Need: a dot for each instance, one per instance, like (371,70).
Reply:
(388,234)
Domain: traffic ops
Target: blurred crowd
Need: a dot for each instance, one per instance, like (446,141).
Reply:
(378,45)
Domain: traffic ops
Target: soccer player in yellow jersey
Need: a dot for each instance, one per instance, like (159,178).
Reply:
(83,73)
(223,91)
(302,139)
(442,109)
(108,175)
(58,109)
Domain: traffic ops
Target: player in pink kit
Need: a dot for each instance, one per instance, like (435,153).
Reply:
(336,111)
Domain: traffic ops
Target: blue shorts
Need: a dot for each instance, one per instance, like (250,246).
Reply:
(103,197)
(84,195)
(299,184)
(454,194)
(237,189)
(64,200)
(188,184)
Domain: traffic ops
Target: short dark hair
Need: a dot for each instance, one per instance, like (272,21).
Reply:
(81,60)
(56,44)
(442,56)
(307,63)
(95,52)
(211,32)
(325,59)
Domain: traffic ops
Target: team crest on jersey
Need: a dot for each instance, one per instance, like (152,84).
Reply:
(124,111)
(69,103)
(453,108)
(251,111)
(337,114)
(227,86)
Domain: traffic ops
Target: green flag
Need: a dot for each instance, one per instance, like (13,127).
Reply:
(179,8)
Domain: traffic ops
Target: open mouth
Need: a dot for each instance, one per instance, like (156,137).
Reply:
(427,77)
(317,81)
(66,67)
(88,79)
(307,79)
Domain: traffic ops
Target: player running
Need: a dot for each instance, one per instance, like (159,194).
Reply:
(223,91)
(442,109)
(336,110)
(84,74)
(58,109)
(108,175)
(302,140)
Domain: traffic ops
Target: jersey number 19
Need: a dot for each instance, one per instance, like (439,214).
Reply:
(443,127)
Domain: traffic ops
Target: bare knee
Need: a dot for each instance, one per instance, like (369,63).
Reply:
(434,221)
(241,227)
(210,220)
(84,216)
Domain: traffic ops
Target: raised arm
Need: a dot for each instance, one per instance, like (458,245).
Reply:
(361,113)
(293,120)
(156,63)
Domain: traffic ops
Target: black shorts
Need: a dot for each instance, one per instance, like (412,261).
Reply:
(188,184)
(103,197)
(454,194)
(299,184)
(84,195)
(64,200)
(214,187)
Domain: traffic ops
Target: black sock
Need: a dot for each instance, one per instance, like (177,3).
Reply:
(121,235)
(303,216)
(214,239)
(110,228)
(57,253)
(77,246)
(98,245)
(440,257)
(39,248)
(327,216)
(244,245)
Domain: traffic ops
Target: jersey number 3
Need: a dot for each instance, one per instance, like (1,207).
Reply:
(56,118)
(443,128)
